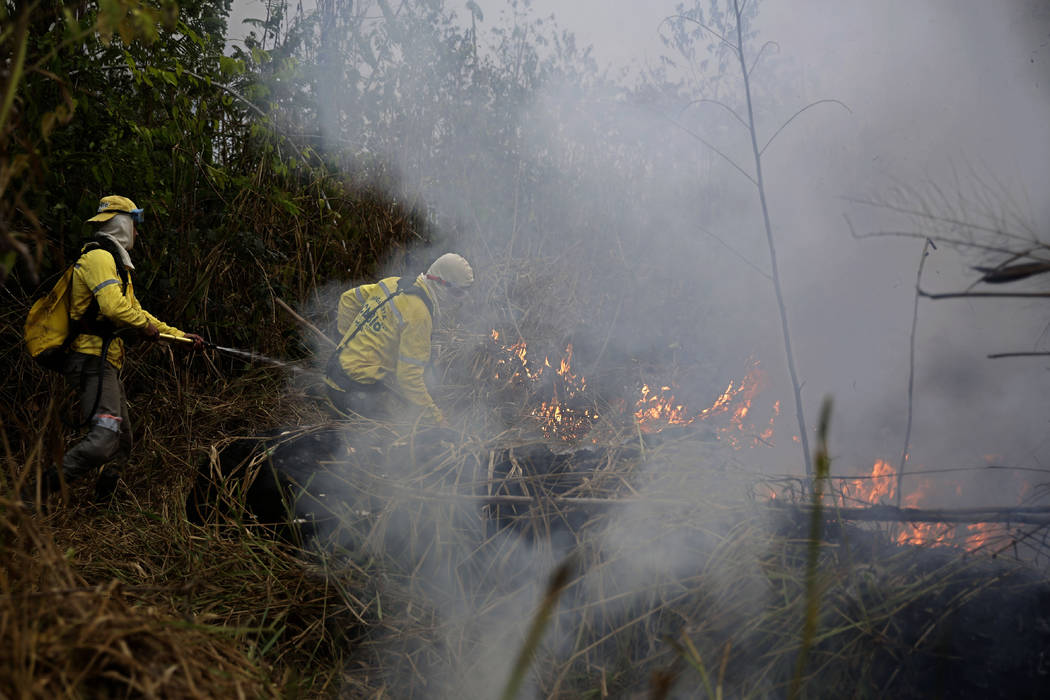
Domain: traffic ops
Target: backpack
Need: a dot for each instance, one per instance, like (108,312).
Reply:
(49,330)
(405,285)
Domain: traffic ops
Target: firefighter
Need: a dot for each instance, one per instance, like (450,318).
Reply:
(102,300)
(377,368)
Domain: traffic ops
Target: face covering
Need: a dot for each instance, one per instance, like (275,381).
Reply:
(121,230)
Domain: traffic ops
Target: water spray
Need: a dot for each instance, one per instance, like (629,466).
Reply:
(236,352)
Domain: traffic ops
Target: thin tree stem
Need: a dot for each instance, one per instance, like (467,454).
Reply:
(15,75)
(777,287)
(911,371)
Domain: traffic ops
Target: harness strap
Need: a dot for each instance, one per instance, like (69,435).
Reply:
(405,285)
(89,322)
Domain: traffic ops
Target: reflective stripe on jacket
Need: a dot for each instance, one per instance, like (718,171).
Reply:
(395,342)
(95,274)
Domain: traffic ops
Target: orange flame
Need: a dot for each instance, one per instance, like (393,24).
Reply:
(880,487)
(556,418)
(654,410)
(658,409)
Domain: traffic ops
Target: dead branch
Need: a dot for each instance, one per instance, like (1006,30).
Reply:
(1038,515)
(958,295)
(321,334)
(1012,273)
(997,355)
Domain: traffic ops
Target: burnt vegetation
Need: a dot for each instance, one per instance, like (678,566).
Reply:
(592,526)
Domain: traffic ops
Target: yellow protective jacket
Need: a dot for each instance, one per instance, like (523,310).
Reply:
(394,347)
(95,274)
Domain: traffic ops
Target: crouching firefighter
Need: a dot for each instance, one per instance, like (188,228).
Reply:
(79,330)
(377,368)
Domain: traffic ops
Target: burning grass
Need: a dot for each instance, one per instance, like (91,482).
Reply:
(433,568)
(674,571)
(433,562)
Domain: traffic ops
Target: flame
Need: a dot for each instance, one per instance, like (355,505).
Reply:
(657,408)
(739,433)
(568,416)
(557,418)
(767,434)
(880,488)
(514,366)
(980,534)
(927,534)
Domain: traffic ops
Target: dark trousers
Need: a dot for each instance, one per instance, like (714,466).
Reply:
(109,435)
(367,400)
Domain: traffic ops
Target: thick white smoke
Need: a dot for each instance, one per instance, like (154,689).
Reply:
(946,105)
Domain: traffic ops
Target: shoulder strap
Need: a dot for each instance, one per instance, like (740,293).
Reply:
(111,248)
(407,285)
(333,361)
(89,323)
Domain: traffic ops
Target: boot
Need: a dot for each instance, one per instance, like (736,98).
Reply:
(106,486)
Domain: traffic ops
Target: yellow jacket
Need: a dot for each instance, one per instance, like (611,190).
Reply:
(95,274)
(395,342)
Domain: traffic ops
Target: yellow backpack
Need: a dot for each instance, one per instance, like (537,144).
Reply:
(47,333)
(49,330)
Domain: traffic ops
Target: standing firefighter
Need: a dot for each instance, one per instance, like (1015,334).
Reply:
(99,306)
(385,340)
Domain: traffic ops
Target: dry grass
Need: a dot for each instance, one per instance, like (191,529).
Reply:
(67,637)
(131,600)
(693,580)
(679,574)
(437,558)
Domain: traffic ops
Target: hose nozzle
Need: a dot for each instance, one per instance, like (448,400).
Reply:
(180,339)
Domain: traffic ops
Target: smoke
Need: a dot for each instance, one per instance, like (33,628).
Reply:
(606,216)
(945,106)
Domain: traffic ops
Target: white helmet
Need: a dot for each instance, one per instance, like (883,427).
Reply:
(451,270)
